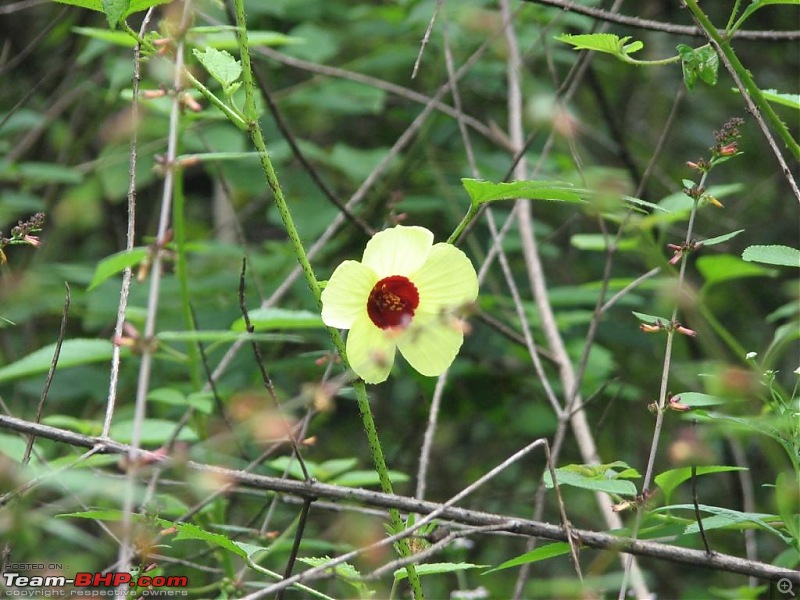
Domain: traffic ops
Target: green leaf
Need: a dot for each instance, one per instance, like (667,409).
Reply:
(220,65)
(155,432)
(598,482)
(115,11)
(116,263)
(541,553)
(726,267)
(280,318)
(344,571)
(756,4)
(117,38)
(134,6)
(436,568)
(702,62)
(83,426)
(73,353)
(773,255)
(668,481)
(602,42)
(366,478)
(38,173)
(597,242)
(650,319)
(698,399)
(486,191)
(721,238)
(644,204)
(224,336)
(224,38)
(787,495)
(725,518)
(790,100)
(202,401)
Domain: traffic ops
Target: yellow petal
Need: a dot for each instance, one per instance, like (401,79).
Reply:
(345,296)
(431,343)
(447,280)
(398,251)
(370,350)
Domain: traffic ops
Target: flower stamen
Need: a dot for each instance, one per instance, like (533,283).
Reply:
(392,302)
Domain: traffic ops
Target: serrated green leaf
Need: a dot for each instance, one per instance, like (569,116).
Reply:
(280,318)
(725,517)
(541,553)
(773,255)
(220,65)
(599,42)
(134,6)
(436,568)
(697,63)
(597,483)
(790,100)
(116,263)
(721,238)
(115,11)
(668,481)
(756,4)
(481,192)
(74,352)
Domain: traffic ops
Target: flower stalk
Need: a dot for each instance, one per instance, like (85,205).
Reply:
(254,131)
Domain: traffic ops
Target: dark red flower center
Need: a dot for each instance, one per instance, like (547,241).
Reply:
(392,302)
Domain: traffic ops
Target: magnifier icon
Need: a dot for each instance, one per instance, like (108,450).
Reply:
(785,587)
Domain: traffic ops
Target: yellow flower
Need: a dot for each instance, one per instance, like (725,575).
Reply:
(404,294)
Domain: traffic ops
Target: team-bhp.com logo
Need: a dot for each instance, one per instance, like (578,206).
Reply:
(113,579)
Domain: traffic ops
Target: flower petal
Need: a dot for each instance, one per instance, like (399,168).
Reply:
(345,297)
(431,343)
(446,280)
(370,350)
(398,251)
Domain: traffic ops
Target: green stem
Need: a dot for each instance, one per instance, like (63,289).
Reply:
(648,63)
(181,272)
(753,90)
(471,214)
(254,130)
(236,118)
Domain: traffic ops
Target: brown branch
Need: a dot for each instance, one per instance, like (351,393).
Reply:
(590,539)
(604,15)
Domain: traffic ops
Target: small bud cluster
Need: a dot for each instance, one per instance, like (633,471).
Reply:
(21,233)
(659,326)
(680,250)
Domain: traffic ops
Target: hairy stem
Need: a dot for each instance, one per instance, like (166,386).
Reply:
(254,131)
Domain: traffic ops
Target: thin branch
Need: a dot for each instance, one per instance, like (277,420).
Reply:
(425,38)
(612,17)
(130,238)
(591,539)
(265,378)
(50,373)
